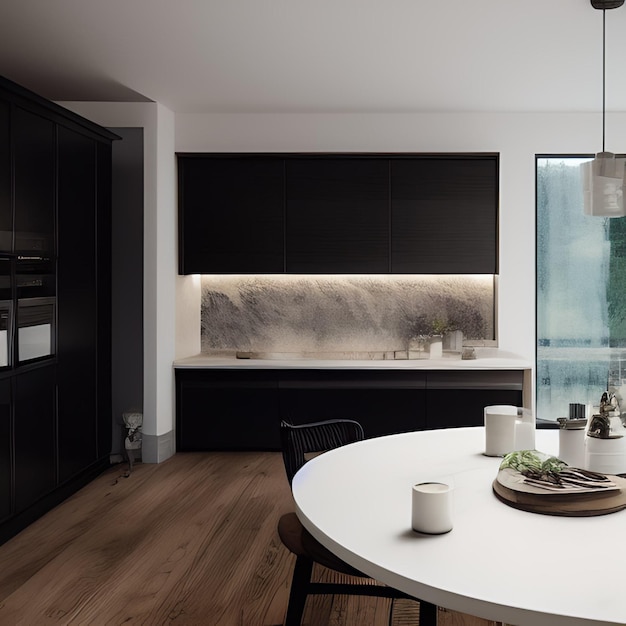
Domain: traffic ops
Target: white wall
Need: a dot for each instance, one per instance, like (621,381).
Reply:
(518,137)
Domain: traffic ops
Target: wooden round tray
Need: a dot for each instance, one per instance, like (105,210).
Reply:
(572,505)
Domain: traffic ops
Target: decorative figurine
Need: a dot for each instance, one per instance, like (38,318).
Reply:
(600,425)
(609,404)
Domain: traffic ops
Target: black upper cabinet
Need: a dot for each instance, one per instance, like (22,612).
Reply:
(34,143)
(444,215)
(337,216)
(6,210)
(338,213)
(231,215)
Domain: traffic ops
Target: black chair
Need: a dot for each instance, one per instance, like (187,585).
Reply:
(296,442)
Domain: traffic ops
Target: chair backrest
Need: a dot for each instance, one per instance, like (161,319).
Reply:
(297,440)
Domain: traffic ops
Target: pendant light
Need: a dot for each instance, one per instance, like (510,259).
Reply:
(603,178)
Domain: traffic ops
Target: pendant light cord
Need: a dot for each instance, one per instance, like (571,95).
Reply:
(603,75)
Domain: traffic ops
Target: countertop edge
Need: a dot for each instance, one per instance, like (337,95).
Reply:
(500,360)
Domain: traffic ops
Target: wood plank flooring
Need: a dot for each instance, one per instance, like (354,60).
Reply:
(189,541)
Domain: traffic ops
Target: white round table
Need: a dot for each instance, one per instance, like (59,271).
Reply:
(498,562)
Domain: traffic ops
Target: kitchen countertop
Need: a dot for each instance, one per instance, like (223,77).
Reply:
(486,359)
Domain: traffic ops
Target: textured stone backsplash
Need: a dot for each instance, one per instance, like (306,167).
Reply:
(340,313)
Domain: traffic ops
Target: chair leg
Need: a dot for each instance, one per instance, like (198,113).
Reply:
(298,593)
(428,614)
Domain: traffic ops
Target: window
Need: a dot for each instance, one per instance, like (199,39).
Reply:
(581,294)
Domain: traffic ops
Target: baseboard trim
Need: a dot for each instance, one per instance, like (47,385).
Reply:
(158,448)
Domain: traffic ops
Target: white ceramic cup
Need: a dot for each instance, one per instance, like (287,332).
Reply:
(432,508)
(525,430)
(572,446)
(500,423)
(607,456)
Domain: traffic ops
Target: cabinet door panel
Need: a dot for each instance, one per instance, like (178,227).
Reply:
(337,216)
(231,214)
(104,295)
(457,397)
(34,162)
(229,419)
(384,402)
(454,408)
(6,210)
(379,411)
(77,298)
(35,436)
(444,215)
(227,410)
(6,472)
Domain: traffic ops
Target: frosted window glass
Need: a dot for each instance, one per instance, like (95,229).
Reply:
(581,294)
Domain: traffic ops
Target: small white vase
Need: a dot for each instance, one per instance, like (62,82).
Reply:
(436,347)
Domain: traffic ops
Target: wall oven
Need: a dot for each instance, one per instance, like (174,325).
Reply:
(6,311)
(35,286)
(27,309)
(6,307)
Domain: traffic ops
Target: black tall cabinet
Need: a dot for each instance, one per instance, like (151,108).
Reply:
(6,213)
(55,300)
(33,136)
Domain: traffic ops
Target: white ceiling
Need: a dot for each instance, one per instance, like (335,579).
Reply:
(318,55)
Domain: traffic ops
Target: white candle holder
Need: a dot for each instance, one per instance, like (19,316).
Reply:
(432,508)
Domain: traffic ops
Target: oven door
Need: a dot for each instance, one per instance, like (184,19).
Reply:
(36,328)
(6,312)
(6,307)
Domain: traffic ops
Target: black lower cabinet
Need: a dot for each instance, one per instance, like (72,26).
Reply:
(34,435)
(455,399)
(5,449)
(242,410)
(383,402)
(379,411)
(455,408)
(30,451)
(77,435)
(226,411)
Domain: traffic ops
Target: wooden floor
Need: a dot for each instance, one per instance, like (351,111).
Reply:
(189,541)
